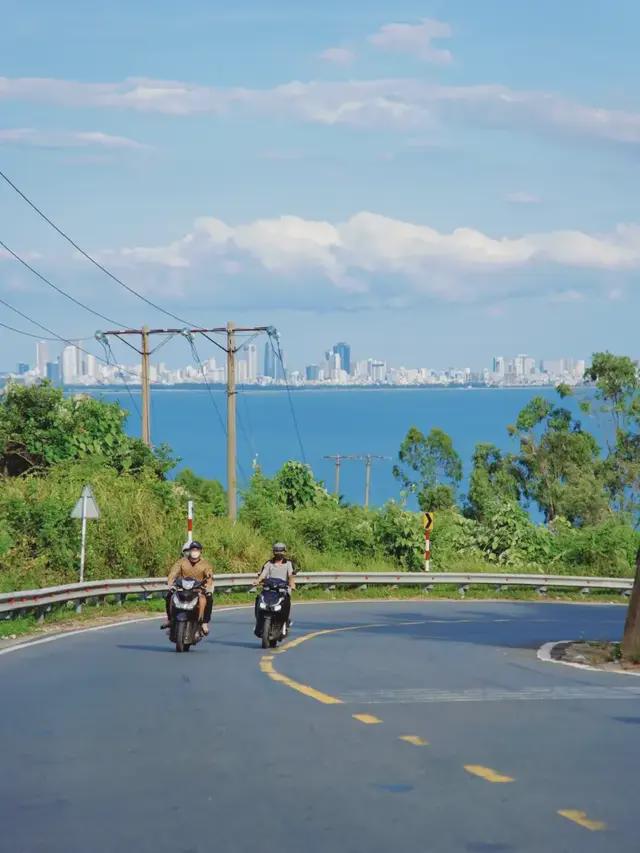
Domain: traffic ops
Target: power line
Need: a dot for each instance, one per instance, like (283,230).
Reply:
(86,254)
(26,334)
(196,355)
(277,351)
(62,292)
(109,352)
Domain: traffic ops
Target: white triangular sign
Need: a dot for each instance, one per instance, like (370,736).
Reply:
(91,509)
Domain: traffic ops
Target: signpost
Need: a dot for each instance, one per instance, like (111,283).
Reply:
(427,521)
(86,507)
(189,522)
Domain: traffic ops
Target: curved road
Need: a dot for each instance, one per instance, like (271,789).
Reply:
(428,726)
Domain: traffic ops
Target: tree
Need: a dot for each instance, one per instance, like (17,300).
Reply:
(559,465)
(429,468)
(209,496)
(617,384)
(40,427)
(296,487)
(493,481)
(631,636)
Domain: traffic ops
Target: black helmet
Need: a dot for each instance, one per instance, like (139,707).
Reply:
(279,548)
(195,545)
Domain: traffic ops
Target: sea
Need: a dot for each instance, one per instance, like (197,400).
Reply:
(312,423)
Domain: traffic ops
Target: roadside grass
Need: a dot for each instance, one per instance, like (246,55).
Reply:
(65,618)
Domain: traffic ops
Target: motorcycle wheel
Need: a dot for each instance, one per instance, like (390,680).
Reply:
(266,631)
(181,630)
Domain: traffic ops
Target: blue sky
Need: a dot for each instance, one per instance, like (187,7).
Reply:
(433,181)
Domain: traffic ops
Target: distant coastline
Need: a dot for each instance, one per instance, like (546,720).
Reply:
(199,386)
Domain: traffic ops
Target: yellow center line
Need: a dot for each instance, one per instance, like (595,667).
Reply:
(582,820)
(487,773)
(414,740)
(367,719)
(266,665)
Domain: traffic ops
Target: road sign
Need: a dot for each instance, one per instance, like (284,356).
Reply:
(85,508)
(88,509)
(428,520)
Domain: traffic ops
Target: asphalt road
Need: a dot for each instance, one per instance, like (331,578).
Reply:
(110,741)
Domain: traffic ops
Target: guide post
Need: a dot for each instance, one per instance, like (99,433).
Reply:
(427,520)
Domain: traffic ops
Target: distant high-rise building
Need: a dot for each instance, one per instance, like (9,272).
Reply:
(344,351)
(378,371)
(498,365)
(42,357)
(69,365)
(269,361)
(91,366)
(312,372)
(251,353)
(52,372)
(22,368)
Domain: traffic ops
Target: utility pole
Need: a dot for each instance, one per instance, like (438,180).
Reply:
(146,390)
(368,458)
(337,460)
(230,330)
(232,488)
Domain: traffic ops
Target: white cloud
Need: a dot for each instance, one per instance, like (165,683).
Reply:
(386,103)
(67,139)
(415,39)
(523,198)
(337,55)
(375,260)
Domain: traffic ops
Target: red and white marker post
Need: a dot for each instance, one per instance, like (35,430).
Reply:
(427,520)
(189,522)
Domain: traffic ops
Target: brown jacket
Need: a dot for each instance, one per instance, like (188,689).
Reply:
(200,571)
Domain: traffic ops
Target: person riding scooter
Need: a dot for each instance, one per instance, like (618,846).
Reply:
(279,567)
(191,565)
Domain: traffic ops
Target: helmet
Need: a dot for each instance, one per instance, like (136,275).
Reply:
(195,545)
(279,548)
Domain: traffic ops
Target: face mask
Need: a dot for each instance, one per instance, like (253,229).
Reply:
(194,555)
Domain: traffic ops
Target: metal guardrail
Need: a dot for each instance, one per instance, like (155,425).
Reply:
(43,600)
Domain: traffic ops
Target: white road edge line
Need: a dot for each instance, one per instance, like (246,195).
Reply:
(544,653)
(64,634)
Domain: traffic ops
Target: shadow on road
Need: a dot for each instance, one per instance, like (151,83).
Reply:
(509,625)
(146,648)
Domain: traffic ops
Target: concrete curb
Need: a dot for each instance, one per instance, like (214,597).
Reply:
(545,651)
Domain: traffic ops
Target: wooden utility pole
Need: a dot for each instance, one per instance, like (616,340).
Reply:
(368,458)
(145,379)
(631,636)
(232,488)
(231,349)
(337,460)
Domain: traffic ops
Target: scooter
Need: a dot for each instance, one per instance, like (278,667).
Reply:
(184,627)
(271,612)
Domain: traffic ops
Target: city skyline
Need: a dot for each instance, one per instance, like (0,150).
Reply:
(74,366)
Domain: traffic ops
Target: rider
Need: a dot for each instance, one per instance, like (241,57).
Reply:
(281,568)
(191,565)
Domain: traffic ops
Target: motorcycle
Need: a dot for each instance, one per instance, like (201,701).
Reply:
(184,627)
(271,612)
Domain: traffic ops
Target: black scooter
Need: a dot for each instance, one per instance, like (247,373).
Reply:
(272,611)
(184,627)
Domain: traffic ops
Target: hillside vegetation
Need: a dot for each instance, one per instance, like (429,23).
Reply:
(51,446)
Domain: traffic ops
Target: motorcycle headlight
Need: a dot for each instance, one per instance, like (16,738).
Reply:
(277,607)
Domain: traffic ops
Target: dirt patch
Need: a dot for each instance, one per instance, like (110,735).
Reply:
(599,653)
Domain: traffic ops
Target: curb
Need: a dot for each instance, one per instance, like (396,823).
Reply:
(545,654)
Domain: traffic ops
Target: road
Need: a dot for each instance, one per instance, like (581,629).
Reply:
(113,742)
